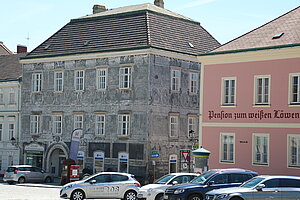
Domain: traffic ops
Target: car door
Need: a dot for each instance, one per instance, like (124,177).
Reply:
(218,181)
(98,186)
(119,185)
(271,190)
(36,174)
(182,179)
(290,189)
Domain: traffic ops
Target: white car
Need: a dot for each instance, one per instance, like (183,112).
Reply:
(104,185)
(156,190)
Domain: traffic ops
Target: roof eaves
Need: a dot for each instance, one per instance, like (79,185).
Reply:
(250,49)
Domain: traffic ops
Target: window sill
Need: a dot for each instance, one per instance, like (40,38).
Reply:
(261,164)
(228,105)
(226,162)
(123,136)
(99,136)
(294,105)
(58,92)
(173,138)
(261,105)
(37,93)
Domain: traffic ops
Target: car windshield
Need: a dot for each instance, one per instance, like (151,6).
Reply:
(164,179)
(203,177)
(252,182)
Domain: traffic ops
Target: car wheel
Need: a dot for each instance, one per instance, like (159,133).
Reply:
(195,197)
(77,195)
(130,195)
(159,197)
(48,180)
(21,180)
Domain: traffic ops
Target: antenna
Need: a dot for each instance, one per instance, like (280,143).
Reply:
(28,38)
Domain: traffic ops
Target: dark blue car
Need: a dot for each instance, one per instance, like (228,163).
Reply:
(210,180)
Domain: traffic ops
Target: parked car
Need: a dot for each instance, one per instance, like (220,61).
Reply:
(26,173)
(212,179)
(156,190)
(261,188)
(104,185)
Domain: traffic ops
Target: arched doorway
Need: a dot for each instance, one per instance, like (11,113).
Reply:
(57,154)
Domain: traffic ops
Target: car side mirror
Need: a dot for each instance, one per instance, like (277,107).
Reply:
(93,181)
(174,182)
(211,183)
(260,187)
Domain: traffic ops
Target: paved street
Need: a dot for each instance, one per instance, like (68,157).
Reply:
(29,192)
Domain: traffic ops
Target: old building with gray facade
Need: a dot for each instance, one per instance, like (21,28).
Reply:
(129,78)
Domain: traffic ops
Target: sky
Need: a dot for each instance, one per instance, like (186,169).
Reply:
(31,22)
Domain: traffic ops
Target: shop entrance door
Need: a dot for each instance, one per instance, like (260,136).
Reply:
(56,160)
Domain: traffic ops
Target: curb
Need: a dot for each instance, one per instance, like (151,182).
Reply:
(39,185)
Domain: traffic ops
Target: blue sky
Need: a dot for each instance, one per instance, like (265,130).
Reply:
(224,19)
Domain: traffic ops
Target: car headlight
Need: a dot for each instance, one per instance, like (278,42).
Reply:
(150,190)
(178,191)
(68,187)
(221,196)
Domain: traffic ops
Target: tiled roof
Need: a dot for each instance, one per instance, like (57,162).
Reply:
(131,28)
(285,27)
(10,67)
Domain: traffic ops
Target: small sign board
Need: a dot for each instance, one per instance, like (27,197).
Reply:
(154,154)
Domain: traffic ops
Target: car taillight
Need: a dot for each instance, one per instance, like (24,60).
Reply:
(16,171)
(137,184)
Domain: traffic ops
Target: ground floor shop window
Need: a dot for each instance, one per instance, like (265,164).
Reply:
(98,161)
(123,162)
(34,158)
(173,163)
(294,150)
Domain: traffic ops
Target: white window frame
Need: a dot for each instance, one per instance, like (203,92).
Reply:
(57,124)
(192,125)
(37,82)
(12,97)
(35,124)
(58,81)
(230,155)
(100,125)
(11,130)
(175,80)
(173,126)
(78,121)
(260,148)
(228,95)
(262,93)
(292,93)
(294,150)
(194,82)
(123,124)
(101,78)
(125,76)
(79,80)
(1,97)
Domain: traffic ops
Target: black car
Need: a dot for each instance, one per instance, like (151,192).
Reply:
(210,180)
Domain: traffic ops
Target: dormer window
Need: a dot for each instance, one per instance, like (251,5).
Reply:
(277,36)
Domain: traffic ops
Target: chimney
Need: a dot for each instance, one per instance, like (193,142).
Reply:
(98,9)
(159,3)
(21,49)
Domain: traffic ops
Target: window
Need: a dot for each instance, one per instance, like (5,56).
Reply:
(228,91)
(262,90)
(192,127)
(1,131)
(239,178)
(78,122)
(260,149)
(295,89)
(58,81)
(100,125)
(227,147)
(125,78)
(286,182)
(57,124)
(1,98)
(221,179)
(194,77)
(11,130)
(118,178)
(79,80)
(35,124)
(294,150)
(101,79)
(36,82)
(173,132)
(124,124)
(12,97)
(103,178)
(175,79)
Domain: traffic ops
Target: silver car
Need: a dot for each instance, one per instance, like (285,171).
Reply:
(261,188)
(104,185)
(156,190)
(26,173)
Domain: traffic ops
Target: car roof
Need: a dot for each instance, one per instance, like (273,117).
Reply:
(278,176)
(233,170)
(183,173)
(21,166)
(120,173)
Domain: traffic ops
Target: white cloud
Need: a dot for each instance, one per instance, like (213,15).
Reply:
(193,4)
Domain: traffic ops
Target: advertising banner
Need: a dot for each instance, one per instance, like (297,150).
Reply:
(75,141)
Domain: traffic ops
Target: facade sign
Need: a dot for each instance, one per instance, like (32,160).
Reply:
(34,147)
(154,154)
(173,158)
(99,155)
(123,157)
(80,155)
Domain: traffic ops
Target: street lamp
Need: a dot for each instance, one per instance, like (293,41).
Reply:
(14,142)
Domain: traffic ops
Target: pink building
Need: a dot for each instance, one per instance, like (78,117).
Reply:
(250,107)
